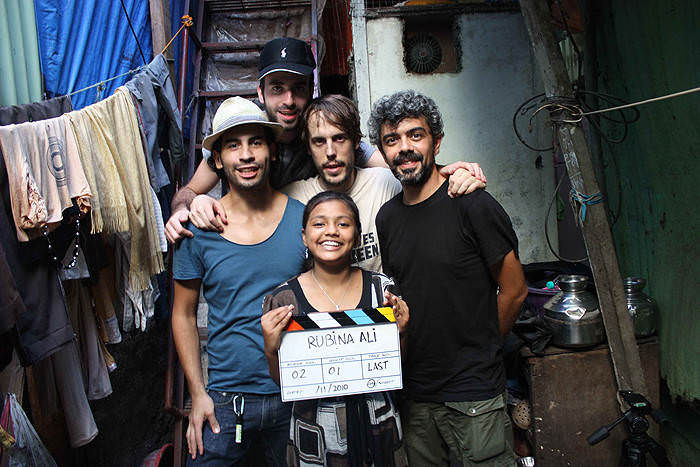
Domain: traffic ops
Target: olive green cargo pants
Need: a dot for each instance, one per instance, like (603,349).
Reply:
(471,433)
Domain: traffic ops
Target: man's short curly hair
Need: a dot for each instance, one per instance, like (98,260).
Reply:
(403,104)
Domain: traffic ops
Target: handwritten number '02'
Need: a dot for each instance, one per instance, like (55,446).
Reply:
(299,374)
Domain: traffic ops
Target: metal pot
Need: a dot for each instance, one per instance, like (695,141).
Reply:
(642,307)
(574,315)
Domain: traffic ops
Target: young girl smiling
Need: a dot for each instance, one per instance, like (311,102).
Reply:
(360,430)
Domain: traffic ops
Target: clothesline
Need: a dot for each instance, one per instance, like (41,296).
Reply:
(186,22)
(103,82)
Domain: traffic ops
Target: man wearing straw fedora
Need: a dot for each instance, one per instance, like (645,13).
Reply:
(240,401)
(285,73)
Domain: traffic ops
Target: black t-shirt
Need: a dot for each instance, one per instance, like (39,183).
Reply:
(440,251)
(292,163)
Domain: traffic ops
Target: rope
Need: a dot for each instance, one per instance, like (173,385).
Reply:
(143,57)
(580,201)
(186,23)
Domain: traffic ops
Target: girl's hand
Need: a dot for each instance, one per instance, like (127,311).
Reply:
(400,308)
(273,323)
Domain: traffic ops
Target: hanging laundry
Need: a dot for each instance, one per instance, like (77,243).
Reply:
(11,304)
(159,119)
(108,213)
(110,143)
(60,378)
(105,295)
(44,327)
(92,359)
(138,306)
(45,173)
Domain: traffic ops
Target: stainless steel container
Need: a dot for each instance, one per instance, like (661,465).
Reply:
(642,307)
(574,315)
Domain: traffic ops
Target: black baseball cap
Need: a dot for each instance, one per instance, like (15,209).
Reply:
(286,54)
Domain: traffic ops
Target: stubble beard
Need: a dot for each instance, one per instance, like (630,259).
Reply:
(272,115)
(247,185)
(336,182)
(417,176)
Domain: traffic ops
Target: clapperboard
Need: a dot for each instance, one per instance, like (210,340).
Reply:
(340,353)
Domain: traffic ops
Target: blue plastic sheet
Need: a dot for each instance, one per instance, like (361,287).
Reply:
(82,42)
(177,9)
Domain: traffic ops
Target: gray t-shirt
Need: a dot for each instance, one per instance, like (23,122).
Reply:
(373,187)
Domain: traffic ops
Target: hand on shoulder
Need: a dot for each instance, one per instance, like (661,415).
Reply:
(174,230)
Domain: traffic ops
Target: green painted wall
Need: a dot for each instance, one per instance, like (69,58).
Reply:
(20,80)
(644,49)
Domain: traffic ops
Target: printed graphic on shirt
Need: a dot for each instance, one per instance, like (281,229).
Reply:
(368,249)
(55,159)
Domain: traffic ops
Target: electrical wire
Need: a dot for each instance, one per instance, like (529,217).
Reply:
(647,101)
(546,232)
(138,44)
(522,110)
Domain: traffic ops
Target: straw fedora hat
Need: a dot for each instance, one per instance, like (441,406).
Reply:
(236,111)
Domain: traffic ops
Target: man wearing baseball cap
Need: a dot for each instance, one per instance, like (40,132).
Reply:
(285,73)
(240,401)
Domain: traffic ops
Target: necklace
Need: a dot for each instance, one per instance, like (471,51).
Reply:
(347,287)
(76,246)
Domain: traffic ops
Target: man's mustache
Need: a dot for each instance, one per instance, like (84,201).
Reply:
(408,156)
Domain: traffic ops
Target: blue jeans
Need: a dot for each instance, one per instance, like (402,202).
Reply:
(267,416)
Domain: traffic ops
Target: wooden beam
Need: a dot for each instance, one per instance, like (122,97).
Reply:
(360,61)
(596,230)
(160,26)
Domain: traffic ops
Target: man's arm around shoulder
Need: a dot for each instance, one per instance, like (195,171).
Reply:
(186,337)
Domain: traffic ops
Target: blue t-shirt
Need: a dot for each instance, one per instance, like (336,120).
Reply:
(235,278)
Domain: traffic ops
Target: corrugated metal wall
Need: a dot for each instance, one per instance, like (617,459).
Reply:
(20,82)
(646,49)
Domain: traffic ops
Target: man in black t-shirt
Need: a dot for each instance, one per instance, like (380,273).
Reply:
(456,260)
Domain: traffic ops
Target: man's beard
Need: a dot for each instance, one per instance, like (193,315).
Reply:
(243,184)
(272,115)
(417,176)
(335,182)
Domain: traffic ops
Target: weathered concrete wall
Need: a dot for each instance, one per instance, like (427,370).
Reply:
(498,74)
(646,49)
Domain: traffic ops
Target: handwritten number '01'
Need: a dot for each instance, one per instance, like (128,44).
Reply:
(334,370)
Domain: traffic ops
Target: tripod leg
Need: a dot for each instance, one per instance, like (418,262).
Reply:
(633,455)
(657,452)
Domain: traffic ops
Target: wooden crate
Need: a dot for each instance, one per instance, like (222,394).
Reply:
(572,393)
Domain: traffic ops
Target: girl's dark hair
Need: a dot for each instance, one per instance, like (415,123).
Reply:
(325,196)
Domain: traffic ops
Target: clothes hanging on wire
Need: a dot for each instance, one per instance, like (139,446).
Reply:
(159,118)
(138,306)
(92,358)
(105,295)
(11,306)
(45,325)
(60,379)
(109,142)
(45,173)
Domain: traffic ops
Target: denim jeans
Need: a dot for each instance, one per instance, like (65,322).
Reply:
(266,416)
